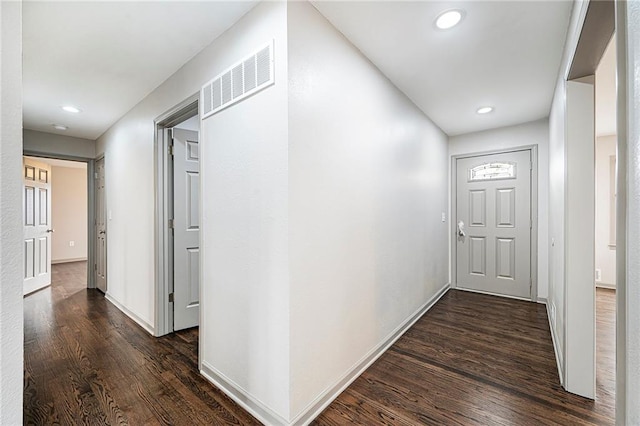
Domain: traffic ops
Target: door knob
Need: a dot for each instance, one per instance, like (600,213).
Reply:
(50,230)
(461,232)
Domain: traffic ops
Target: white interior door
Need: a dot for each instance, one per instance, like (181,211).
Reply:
(186,224)
(493,241)
(36,224)
(100,266)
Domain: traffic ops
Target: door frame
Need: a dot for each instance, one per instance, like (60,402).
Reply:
(163,244)
(534,215)
(91,241)
(93,226)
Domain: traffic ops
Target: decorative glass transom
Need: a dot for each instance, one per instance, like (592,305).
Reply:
(490,171)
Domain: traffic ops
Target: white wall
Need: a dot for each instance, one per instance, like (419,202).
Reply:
(368,185)
(557,178)
(69,213)
(605,188)
(244,330)
(533,133)
(11,322)
(58,145)
(244,294)
(628,249)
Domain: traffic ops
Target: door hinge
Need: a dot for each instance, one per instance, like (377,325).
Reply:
(171,150)
(96,175)
(170,223)
(95,266)
(171,297)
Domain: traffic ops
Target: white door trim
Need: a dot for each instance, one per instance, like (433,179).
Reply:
(534,212)
(163,241)
(91,241)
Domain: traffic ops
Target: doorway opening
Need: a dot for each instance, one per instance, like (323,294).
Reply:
(178,218)
(605,224)
(57,219)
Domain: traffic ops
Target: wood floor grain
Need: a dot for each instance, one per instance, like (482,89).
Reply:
(472,359)
(87,363)
(477,360)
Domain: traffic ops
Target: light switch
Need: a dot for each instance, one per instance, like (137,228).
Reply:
(444,217)
(72,243)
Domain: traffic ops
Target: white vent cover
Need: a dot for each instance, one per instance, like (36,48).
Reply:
(239,81)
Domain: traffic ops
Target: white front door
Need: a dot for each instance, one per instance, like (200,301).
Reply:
(186,224)
(36,224)
(493,236)
(100,266)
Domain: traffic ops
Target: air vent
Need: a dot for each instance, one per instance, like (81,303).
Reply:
(239,81)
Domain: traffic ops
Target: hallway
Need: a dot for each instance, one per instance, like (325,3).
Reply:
(472,359)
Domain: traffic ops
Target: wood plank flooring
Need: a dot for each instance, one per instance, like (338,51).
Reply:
(472,359)
(87,363)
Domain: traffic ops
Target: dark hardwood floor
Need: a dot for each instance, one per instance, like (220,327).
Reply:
(87,363)
(472,359)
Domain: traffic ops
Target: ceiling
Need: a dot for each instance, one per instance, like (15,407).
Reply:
(505,54)
(104,57)
(606,92)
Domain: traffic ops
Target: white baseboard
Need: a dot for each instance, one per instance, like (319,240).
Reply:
(75,259)
(606,285)
(142,323)
(325,398)
(306,415)
(542,300)
(242,397)
(556,349)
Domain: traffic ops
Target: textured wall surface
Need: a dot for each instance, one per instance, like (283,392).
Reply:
(11,322)
(368,186)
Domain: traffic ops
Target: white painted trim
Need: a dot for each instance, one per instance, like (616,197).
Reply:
(326,397)
(470,290)
(606,285)
(74,259)
(242,397)
(142,323)
(542,300)
(556,349)
(267,416)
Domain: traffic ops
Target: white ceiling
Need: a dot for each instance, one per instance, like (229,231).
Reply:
(606,92)
(104,57)
(504,53)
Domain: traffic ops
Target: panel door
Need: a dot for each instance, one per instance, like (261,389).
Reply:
(101,227)
(36,225)
(186,209)
(493,239)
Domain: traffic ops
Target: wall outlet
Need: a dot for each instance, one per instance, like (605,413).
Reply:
(72,243)
(598,274)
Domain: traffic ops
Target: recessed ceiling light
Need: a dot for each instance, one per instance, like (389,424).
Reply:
(484,110)
(59,127)
(449,19)
(71,108)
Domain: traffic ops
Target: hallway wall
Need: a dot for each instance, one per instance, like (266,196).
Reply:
(11,242)
(367,176)
(55,145)
(69,213)
(605,210)
(533,133)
